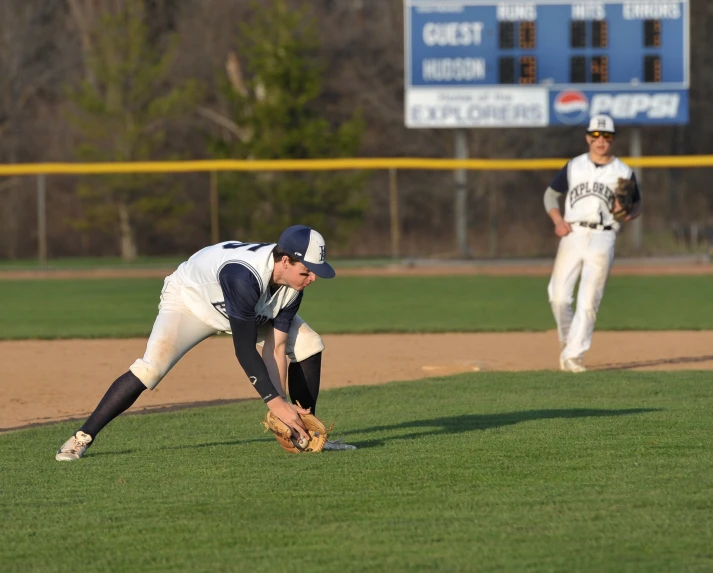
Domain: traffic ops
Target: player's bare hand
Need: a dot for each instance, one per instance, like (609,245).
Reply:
(289,414)
(562,228)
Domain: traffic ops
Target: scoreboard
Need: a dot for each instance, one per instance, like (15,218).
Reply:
(484,63)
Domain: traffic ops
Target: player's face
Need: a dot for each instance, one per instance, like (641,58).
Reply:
(600,142)
(298,276)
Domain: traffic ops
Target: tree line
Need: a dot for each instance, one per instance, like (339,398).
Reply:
(131,80)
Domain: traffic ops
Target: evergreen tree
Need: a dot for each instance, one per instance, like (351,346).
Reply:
(276,112)
(121,113)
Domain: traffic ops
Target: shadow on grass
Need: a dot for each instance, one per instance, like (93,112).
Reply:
(657,362)
(447,425)
(469,423)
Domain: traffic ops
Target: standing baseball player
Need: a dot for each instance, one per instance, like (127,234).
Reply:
(253,290)
(588,235)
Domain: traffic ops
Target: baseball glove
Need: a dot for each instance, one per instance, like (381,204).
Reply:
(290,441)
(625,195)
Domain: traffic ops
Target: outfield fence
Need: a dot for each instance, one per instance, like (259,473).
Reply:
(390,165)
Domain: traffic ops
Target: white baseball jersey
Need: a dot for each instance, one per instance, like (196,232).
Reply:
(589,189)
(233,278)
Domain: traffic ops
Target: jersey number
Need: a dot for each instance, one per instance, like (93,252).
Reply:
(250,246)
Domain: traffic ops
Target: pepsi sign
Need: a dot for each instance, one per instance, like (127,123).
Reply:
(575,107)
(571,107)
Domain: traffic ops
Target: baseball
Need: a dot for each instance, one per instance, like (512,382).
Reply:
(302,442)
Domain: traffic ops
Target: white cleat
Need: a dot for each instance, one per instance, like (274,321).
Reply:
(338,445)
(74,447)
(572,365)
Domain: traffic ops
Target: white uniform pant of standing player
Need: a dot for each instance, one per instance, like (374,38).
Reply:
(177,330)
(589,252)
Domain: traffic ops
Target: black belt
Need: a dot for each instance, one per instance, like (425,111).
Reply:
(595,226)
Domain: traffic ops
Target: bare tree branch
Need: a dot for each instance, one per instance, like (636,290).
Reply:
(225,122)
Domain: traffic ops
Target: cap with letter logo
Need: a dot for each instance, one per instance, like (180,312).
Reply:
(307,246)
(601,122)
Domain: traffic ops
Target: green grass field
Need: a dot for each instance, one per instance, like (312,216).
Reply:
(127,307)
(489,472)
(169,263)
(536,471)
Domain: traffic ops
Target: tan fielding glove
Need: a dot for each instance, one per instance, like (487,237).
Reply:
(289,440)
(625,195)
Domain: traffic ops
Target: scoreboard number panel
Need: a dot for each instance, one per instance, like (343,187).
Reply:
(600,31)
(528,35)
(652,68)
(528,70)
(584,34)
(635,52)
(652,33)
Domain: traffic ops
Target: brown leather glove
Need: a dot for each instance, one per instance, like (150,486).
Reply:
(625,195)
(290,441)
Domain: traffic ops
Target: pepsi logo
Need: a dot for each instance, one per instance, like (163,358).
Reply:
(571,107)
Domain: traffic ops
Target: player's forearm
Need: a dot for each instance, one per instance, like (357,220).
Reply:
(555,215)
(275,359)
(551,201)
(257,373)
(244,339)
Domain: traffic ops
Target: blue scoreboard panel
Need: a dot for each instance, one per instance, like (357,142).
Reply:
(483,63)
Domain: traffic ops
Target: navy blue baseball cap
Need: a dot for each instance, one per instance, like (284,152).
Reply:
(307,246)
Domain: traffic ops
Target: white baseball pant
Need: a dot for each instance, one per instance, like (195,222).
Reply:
(585,254)
(177,330)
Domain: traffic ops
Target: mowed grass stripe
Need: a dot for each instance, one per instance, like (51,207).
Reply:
(489,472)
(100,308)
(103,308)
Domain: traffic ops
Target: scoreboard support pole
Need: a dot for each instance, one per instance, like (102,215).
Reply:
(461,195)
(636,226)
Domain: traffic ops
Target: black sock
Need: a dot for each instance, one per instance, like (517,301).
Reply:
(118,398)
(303,381)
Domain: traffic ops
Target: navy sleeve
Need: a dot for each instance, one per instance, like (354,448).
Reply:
(241,290)
(560,183)
(637,193)
(244,339)
(284,318)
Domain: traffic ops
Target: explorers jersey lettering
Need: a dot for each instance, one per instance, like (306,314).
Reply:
(589,189)
(233,278)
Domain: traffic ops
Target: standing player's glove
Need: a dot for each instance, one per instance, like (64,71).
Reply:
(289,440)
(625,195)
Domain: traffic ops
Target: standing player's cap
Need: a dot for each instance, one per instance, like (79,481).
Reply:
(601,123)
(307,245)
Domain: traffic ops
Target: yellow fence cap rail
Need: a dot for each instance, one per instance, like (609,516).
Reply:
(412,163)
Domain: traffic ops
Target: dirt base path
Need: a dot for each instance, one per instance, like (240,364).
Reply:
(48,381)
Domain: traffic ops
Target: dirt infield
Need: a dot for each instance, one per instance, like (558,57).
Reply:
(48,381)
